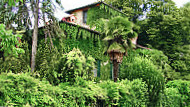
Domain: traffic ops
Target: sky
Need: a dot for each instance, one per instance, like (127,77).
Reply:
(180,3)
(71,4)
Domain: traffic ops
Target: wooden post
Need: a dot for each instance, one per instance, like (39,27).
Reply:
(111,71)
(115,69)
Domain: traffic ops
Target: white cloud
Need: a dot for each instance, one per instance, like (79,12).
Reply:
(71,4)
(180,3)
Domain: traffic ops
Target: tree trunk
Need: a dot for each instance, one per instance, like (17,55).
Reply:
(115,70)
(45,33)
(35,35)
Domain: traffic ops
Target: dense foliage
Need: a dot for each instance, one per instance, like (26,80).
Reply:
(57,67)
(18,64)
(132,8)
(9,41)
(136,66)
(69,56)
(164,27)
(184,89)
(96,15)
(24,90)
(88,42)
(75,64)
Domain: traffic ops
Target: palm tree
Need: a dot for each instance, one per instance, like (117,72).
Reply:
(118,33)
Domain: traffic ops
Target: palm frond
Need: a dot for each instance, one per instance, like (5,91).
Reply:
(116,47)
(119,32)
(107,38)
(132,35)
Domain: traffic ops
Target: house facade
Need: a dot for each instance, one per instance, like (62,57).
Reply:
(81,13)
(79,16)
(77,19)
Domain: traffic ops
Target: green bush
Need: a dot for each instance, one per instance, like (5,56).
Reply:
(47,60)
(24,90)
(126,93)
(176,94)
(64,62)
(9,41)
(21,63)
(105,71)
(184,89)
(135,66)
(74,64)
(57,67)
(83,93)
(170,98)
(107,93)
(182,62)
(159,60)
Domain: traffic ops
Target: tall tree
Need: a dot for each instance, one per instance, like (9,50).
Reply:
(182,63)
(35,34)
(118,37)
(21,14)
(133,8)
(184,12)
(167,28)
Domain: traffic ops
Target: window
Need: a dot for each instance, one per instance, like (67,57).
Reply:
(85,16)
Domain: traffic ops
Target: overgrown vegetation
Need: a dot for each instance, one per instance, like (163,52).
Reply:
(136,66)
(24,90)
(67,59)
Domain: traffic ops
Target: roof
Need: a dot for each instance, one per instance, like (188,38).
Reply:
(86,6)
(93,5)
(71,15)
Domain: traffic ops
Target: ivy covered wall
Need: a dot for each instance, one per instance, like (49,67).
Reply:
(76,37)
(104,11)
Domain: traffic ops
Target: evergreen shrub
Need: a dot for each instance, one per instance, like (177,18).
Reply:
(14,64)
(184,89)
(24,90)
(135,66)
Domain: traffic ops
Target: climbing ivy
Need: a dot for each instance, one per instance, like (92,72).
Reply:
(87,47)
(103,11)
(111,11)
(76,32)
(74,64)
(88,42)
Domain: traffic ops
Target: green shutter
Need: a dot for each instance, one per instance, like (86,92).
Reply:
(98,68)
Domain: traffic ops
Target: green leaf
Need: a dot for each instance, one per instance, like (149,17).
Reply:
(116,47)
(108,38)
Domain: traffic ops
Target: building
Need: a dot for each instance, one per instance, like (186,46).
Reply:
(78,19)
(81,13)
(70,18)
(79,16)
